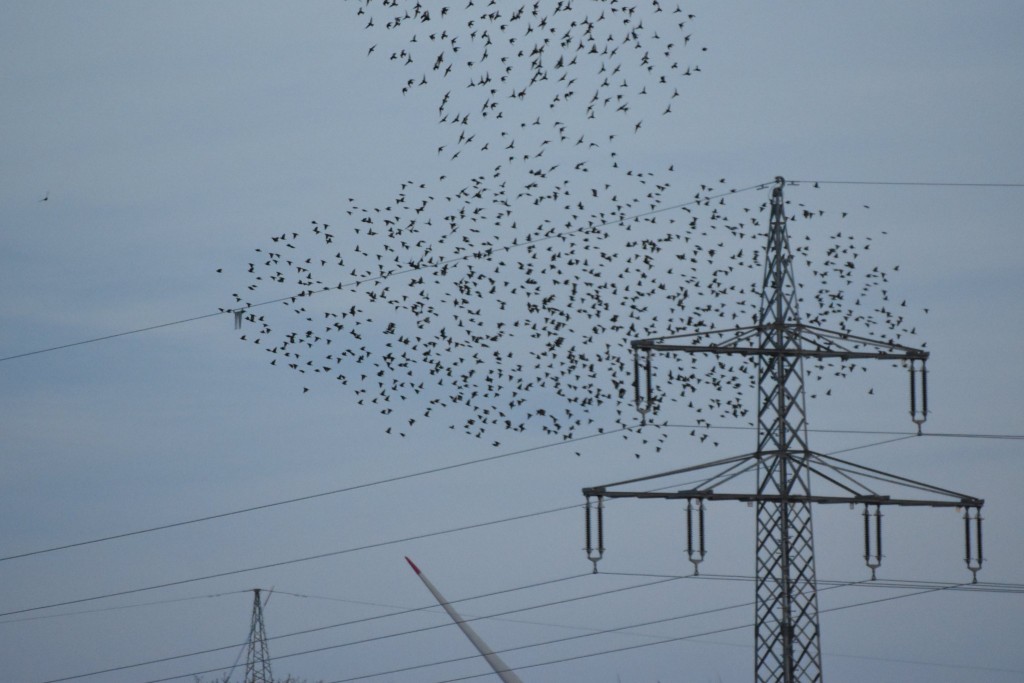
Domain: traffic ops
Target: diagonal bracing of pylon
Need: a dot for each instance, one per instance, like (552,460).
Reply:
(257,659)
(778,477)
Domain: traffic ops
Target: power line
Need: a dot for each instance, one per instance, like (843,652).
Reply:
(283,563)
(902,184)
(903,584)
(1007,587)
(952,435)
(323,494)
(658,579)
(112,336)
(980,587)
(488,252)
(590,633)
(595,632)
(122,607)
(372,639)
(921,588)
(393,273)
(320,556)
(873,445)
(1012,437)
(317,629)
(313,496)
(687,637)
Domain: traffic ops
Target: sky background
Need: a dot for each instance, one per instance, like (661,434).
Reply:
(170,140)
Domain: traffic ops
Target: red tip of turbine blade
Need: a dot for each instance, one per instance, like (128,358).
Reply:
(414,567)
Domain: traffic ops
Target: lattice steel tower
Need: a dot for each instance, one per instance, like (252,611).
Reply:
(257,659)
(787,638)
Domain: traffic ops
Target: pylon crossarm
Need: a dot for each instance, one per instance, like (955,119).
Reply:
(729,474)
(710,494)
(849,478)
(891,479)
(852,342)
(841,354)
(738,334)
(824,344)
(863,470)
(738,459)
(853,487)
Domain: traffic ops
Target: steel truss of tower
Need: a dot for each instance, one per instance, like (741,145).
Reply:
(257,659)
(786,633)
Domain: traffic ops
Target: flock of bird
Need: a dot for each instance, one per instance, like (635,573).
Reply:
(506,298)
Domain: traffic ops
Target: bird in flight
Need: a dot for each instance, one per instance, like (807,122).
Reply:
(504,285)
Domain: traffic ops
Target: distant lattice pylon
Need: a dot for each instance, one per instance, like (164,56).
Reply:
(257,660)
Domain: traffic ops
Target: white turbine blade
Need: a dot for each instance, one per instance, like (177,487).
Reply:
(501,668)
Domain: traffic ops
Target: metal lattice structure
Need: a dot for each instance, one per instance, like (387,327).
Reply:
(786,596)
(257,659)
(787,636)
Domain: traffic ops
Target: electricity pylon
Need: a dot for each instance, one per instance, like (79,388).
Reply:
(257,658)
(786,634)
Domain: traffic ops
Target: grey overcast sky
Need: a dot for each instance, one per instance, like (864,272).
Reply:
(147,145)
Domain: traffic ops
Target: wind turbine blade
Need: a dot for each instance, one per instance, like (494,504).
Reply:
(506,674)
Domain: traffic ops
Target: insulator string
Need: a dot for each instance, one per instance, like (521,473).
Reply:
(918,414)
(700,517)
(636,379)
(689,528)
(924,391)
(967,536)
(696,556)
(593,556)
(648,369)
(973,555)
(873,559)
(867,537)
(586,514)
(980,555)
(913,393)
(878,534)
